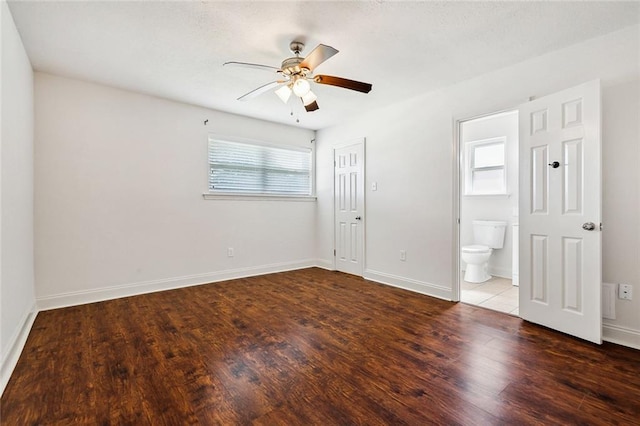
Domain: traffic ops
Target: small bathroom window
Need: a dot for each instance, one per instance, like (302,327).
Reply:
(485,168)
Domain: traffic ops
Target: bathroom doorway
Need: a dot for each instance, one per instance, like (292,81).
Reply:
(488,211)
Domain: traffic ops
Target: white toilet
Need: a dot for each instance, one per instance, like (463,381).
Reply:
(487,235)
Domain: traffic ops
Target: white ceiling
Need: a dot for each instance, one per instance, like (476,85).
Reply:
(176,49)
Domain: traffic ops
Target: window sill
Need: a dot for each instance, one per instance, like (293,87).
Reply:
(248,197)
(488,195)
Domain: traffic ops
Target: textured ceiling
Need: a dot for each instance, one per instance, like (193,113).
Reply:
(176,49)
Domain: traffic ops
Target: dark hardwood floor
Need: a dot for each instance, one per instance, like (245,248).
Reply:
(311,347)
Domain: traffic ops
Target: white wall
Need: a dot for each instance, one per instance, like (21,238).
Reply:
(492,207)
(410,154)
(621,202)
(17,302)
(119,208)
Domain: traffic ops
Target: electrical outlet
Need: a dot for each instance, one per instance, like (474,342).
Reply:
(403,255)
(230,252)
(625,291)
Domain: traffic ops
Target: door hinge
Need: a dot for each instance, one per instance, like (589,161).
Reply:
(601,226)
(334,252)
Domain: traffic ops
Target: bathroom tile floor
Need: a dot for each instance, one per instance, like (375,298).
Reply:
(497,294)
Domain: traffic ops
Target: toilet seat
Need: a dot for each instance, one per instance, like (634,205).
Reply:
(476,248)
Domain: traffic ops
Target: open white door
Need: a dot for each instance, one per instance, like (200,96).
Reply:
(349,208)
(560,212)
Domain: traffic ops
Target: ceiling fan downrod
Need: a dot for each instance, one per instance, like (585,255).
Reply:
(291,66)
(296,47)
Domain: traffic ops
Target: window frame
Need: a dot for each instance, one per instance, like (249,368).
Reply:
(212,194)
(470,168)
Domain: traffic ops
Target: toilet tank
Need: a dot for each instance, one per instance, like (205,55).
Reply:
(489,233)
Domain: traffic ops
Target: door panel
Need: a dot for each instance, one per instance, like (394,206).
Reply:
(572,188)
(560,187)
(349,208)
(572,268)
(539,261)
(539,190)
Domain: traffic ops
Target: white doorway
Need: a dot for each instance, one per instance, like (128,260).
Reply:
(559,247)
(349,218)
(488,203)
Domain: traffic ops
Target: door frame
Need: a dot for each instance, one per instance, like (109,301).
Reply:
(363,238)
(458,165)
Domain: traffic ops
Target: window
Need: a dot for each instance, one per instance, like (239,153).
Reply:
(249,168)
(485,171)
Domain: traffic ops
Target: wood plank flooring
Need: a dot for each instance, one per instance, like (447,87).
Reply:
(311,347)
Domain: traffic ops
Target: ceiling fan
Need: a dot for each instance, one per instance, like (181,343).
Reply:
(296,74)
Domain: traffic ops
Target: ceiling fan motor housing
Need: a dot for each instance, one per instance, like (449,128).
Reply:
(291,66)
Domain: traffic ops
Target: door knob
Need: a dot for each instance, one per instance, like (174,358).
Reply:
(358,218)
(588,226)
(555,164)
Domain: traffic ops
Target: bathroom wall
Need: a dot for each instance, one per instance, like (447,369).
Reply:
(492,207)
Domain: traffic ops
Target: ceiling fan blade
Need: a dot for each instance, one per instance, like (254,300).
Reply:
(321,53)
(312,106)
(260,90)
(343,82)
(254,66)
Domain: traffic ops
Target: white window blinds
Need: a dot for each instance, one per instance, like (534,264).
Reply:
(246,168)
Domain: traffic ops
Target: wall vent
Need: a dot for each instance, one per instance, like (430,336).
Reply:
(609,301)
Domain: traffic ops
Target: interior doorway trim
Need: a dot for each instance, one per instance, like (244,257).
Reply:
(458,164)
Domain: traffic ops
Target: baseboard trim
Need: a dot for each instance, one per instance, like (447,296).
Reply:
(133,289)
(621,335)
(410,284)
(501,272)
(16,344)
(496,272)
(325,264)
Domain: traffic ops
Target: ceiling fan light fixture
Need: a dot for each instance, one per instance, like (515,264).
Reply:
(301,87)
(309,98)
(297,72)
(284,93)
